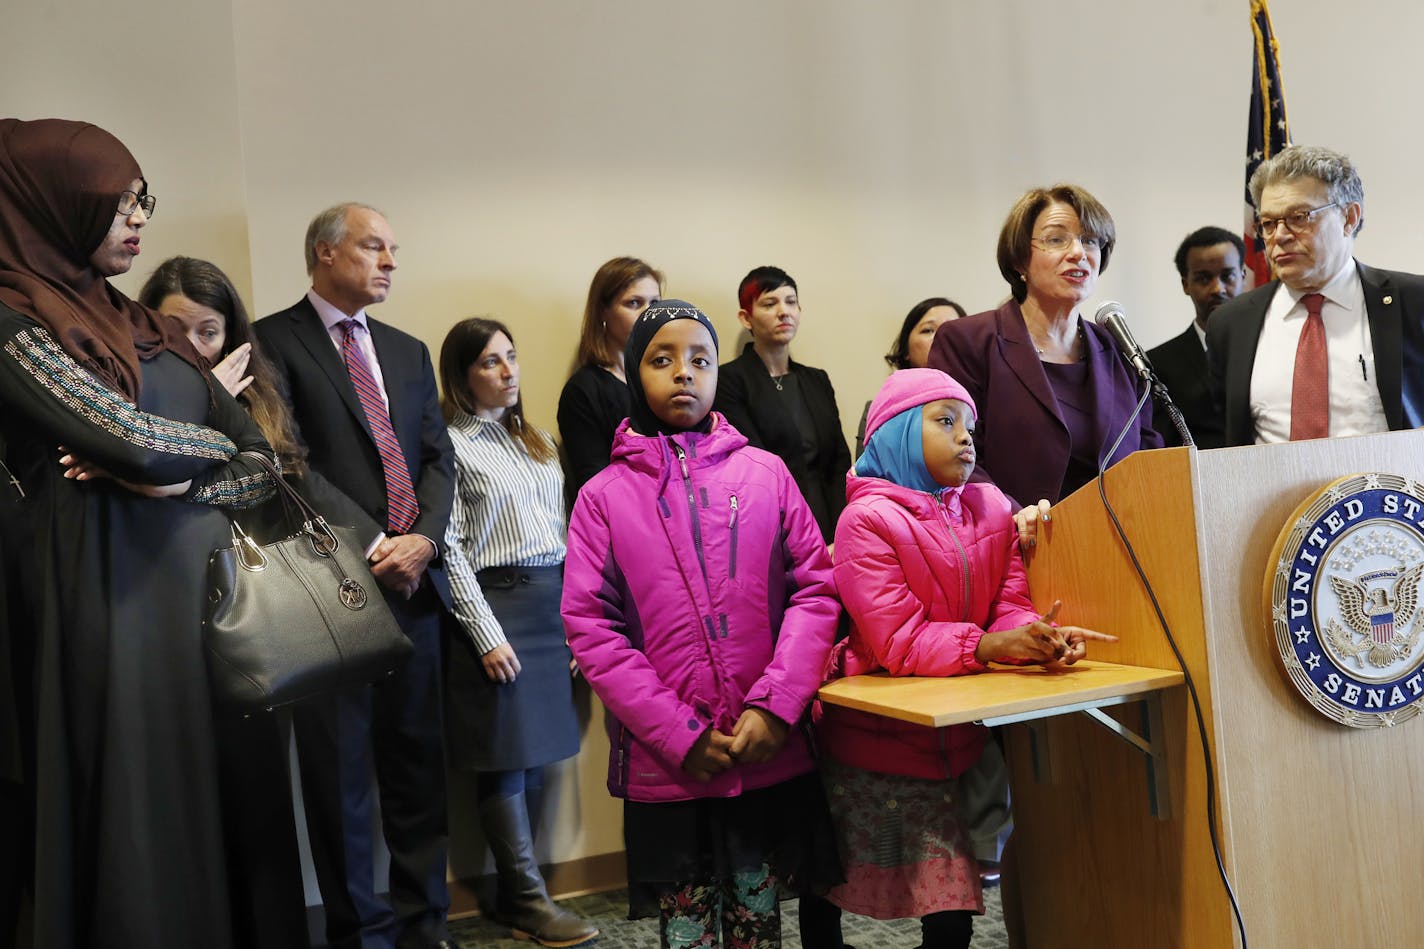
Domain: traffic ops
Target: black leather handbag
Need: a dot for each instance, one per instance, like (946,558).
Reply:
(296,618)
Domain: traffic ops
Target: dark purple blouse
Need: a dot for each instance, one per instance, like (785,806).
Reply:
(1073,388)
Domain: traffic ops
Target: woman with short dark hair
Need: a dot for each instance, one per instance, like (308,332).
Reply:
(1054,390)
(781,405)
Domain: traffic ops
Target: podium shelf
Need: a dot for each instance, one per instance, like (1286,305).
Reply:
(1001,695)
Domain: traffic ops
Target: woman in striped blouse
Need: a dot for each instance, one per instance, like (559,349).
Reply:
(508,696)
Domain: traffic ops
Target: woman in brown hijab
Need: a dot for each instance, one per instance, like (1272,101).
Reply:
(122,452)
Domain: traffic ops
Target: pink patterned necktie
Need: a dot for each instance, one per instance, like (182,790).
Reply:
(401,506)
(1310,385)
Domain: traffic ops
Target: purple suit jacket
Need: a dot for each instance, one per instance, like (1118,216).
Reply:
(1022,441)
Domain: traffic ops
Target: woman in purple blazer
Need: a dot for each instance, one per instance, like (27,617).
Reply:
(1053,392)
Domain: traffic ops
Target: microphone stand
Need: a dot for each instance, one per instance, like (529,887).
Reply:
(1159,392)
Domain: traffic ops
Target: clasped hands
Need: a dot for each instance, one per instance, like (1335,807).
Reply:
(398,562)
(757,737)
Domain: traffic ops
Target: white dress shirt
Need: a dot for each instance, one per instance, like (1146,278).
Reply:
(508,512)
(1355,404)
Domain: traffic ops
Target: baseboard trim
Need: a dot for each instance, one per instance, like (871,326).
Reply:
(597,874)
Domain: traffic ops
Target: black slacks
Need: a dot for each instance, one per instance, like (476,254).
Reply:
(391,729)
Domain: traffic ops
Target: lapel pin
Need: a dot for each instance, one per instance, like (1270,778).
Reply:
(1389,299)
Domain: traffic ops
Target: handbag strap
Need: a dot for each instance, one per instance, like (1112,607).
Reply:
(312,522)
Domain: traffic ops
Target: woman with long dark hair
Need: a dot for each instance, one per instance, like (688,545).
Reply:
(203,300)
(508,678)
(911,349)
(264,864)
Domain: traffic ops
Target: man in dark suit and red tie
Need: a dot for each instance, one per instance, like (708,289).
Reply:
(1209,261)
(364,399)
(1330,347)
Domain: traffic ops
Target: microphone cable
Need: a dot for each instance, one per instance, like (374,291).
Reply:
(1181,662)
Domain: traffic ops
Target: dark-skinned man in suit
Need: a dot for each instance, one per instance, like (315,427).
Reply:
(1209,262)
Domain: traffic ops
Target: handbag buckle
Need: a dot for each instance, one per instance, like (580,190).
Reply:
(249,553)
(321,537)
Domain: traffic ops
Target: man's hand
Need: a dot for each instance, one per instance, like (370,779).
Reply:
(398,563)
(757,736)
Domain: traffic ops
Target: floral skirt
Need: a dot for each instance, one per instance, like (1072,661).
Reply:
(903,844)
(785,827)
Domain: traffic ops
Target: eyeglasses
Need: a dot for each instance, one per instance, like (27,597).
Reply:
(129,202)
(1057,243)
(1295,222)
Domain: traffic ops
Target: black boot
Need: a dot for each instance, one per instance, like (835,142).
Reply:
(951,929)
(819,921)
(523,903)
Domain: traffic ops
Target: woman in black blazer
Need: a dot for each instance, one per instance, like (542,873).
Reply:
(780,405)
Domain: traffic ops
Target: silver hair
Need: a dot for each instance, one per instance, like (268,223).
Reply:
(1330,168)
(329,227)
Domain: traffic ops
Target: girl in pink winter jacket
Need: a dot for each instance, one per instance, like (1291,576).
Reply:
(929,570)
(699,602)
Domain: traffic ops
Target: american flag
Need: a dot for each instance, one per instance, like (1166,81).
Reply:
(1266,130)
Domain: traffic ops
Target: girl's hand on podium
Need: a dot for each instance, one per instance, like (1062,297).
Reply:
(1027,521)
(1041,642)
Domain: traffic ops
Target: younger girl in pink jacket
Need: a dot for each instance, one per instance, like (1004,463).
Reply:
(929,570)
(698,601)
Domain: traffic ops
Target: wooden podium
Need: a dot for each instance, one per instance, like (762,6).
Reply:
(1321,826)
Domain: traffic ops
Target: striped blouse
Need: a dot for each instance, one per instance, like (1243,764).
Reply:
(508,512)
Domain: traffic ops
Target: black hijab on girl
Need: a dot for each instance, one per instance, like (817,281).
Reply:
(640,416)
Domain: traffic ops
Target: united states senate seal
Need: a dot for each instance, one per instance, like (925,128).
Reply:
(1343,592)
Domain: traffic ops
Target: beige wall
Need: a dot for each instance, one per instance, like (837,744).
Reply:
(870,149)
(164,80)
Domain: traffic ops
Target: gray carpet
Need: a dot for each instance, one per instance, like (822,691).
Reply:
(608,910)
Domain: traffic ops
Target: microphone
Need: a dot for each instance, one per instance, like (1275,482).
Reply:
(1110,318)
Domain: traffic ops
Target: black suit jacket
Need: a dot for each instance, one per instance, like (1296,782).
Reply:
(332,425)
(747,396)
(1394,305)
(1181,365)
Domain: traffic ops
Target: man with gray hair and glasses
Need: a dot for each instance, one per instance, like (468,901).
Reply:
(1330,347)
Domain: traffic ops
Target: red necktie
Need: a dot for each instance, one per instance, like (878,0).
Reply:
(401,506)
(1310,386)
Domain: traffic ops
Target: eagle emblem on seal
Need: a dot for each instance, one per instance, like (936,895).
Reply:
(1380,610)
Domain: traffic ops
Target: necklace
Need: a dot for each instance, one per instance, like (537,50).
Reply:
(776,381)
(1077,339)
